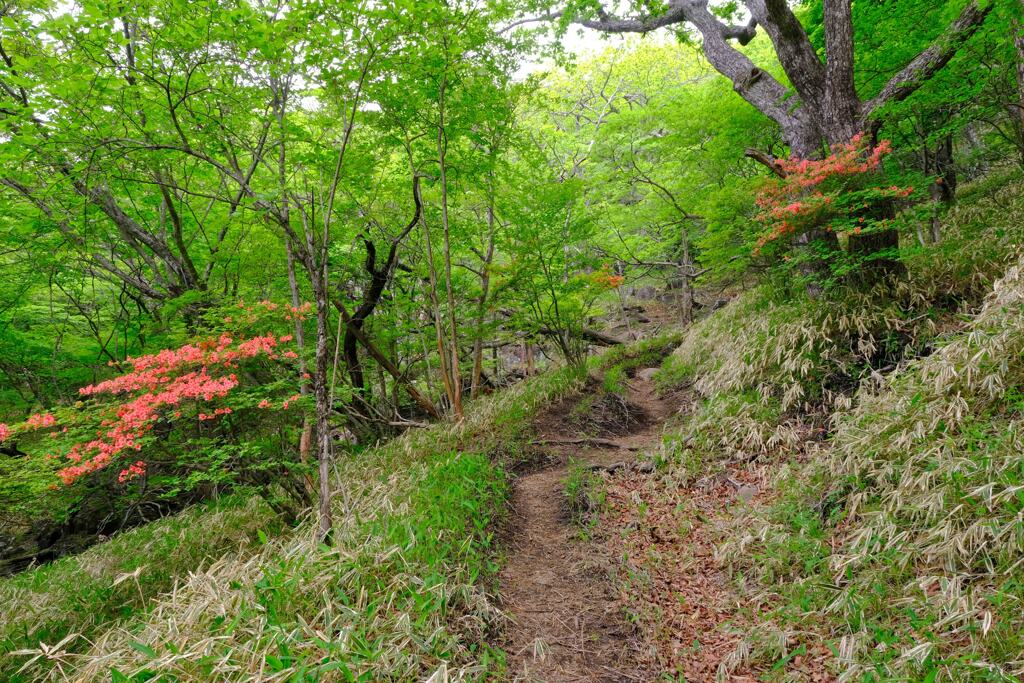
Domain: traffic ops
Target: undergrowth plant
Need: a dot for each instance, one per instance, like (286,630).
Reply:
(893,535)
(219,412)
(584,496)
(404,589)
(68,602)
(815,202)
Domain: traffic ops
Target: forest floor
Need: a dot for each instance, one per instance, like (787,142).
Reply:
(632,591)
(568,620)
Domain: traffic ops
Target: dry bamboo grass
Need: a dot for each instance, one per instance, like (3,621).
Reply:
(373,607)
(900,539)
(929,466)
(77,595)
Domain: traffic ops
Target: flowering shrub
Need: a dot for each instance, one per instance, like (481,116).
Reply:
(166,407)
(839,194)
(605,279)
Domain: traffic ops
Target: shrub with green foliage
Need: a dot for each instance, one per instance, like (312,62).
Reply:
(220,412)
(819,200)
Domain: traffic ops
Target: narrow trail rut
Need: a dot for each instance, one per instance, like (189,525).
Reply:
(568,625)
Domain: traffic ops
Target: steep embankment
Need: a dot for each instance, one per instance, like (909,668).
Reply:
(844,496)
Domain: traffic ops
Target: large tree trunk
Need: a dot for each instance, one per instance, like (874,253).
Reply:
(875,268)
(816,250)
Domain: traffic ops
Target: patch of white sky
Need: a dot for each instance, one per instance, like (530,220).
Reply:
(578,42)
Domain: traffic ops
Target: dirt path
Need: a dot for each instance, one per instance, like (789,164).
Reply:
(568,625)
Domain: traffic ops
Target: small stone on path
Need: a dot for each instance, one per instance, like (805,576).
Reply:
(747,492)
(647,374)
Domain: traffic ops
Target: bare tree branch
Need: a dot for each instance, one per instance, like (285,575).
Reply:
(766,159)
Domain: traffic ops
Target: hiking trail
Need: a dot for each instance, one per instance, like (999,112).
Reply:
(568,625)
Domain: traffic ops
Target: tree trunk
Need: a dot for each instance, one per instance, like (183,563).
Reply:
(945,168)
(385,362)
(481,309)
(435,312)
(350,351)
(943,187)
(686,283)
(875,268)
(306,438)
(868,246)
(816,249)
(323,407)
(625,314)
(978,149)
(453,366)
(379,278)
(818,243)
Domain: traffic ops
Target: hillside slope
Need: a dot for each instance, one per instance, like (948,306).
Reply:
(808,461)
(405,587)
(852,474)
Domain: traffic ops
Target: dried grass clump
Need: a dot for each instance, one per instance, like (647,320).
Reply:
(739,428)
(912,562)
(72,598)
(396,597)
(766,374)
(812,354)
(803,353)
(376,606)
(606,414)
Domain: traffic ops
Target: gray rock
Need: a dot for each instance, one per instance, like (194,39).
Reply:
(647,374)
(747,492)
(646,293)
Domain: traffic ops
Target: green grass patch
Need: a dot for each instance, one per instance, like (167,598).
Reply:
(584,496)
(641,354)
